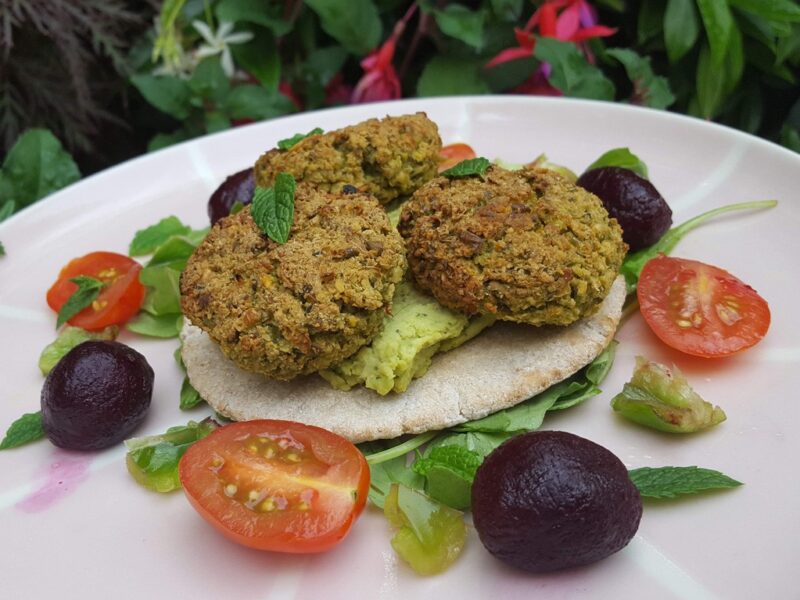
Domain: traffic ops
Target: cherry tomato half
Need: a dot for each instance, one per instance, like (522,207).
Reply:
(453,154)
(699,309)
(277,485)
(120,300)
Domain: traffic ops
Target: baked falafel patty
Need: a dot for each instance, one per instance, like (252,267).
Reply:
(389,158)
(293,309)
(526,246)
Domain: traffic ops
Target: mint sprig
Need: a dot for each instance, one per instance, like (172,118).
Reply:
(26,429)
(671,482)
(297,137)
(468,168)
(273,208)
(88,290)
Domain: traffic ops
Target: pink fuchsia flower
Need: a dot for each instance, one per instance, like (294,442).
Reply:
(380,80)
(566,20)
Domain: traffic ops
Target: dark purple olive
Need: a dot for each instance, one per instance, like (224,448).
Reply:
(96,395)
(236,188)
(633,201)
(550,500)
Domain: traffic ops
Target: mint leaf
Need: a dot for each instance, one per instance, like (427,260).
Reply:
(634,263)
(67,340)
(356,25)
(649,89)
(620,157)
(297,137)
(26,429)
(449,472)
(87,292)
(147,240)
(190,397)
(572,73)
(671,482)
(273,208)
(36,166)
(469,167)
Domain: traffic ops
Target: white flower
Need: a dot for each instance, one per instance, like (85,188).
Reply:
(218,42)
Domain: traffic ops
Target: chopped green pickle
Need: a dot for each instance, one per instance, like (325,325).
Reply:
(430,536)
(67,340)
(415,331)
(661,398)
(153,460)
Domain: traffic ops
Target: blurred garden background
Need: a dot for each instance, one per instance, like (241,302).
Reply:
(86,84)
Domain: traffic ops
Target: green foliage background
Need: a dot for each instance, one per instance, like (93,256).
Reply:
(114,79)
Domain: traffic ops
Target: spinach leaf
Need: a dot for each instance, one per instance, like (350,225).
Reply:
(634,263)
(620,157)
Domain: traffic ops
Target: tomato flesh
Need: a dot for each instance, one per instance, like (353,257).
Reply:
(277,485)
(700,309)
(119,300)
(453,154)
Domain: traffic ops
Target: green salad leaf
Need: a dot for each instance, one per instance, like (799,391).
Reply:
(67,339)
(620,157)
(296,138)
(2,249)
(671,482)
(171,243)
(273,208)
(468,168)
(634,263)
(26,429)
(190,397)
(87,292)
(147,240)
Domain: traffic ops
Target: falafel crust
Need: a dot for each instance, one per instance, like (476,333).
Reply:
(389,158)
(525,246)
(293,309)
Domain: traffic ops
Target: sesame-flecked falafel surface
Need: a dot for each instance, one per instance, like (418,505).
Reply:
(389,158)
(525,246)
(293,309)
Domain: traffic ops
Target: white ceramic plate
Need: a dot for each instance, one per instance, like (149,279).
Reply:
(77,526)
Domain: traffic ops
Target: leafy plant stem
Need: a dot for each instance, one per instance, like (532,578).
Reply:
(401,449)
(691,224)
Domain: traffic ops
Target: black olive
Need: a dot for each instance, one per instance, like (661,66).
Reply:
(96,395)
(236,188)
(348,189)
(640,209)
(550,500)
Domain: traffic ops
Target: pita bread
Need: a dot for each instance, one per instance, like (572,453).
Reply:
(503,366)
